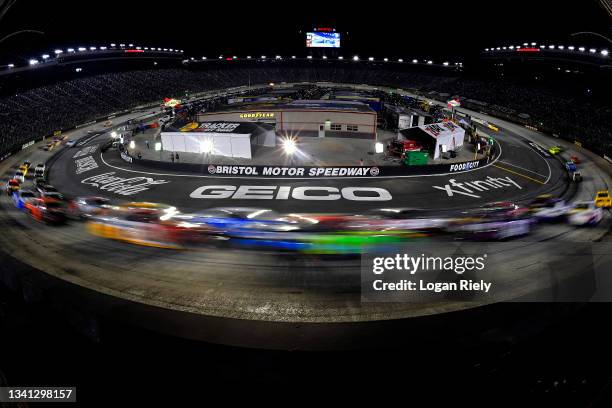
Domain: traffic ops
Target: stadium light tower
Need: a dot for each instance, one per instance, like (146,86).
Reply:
(33,61)
(356,58)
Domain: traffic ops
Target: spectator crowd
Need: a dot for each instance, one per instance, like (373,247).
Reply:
(40,111)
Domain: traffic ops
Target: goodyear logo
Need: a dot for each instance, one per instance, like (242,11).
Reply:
(257,115)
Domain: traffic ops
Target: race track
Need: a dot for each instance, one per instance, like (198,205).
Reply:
(246,286)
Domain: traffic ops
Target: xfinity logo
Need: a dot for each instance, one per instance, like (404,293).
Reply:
(296,193)
(470,188)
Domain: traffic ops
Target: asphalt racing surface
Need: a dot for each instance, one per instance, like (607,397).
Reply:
(259,298)
(519,174)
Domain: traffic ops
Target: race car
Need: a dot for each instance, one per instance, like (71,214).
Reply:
(46,209)
(585,213)
(47,190)
(70,143)
(89,206)
(575,159)
(555,150)
(570,166)
(12,186)
(19,176)
(39,170)
(21,197)
(553,210)
(603,199)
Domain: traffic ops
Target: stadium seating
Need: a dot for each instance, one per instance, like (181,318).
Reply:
(37,112)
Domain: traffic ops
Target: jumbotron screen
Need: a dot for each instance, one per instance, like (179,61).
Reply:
(323,40)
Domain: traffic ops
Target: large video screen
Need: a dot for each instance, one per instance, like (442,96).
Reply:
(323,40)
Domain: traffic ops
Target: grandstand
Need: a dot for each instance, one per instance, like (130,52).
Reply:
(33,113)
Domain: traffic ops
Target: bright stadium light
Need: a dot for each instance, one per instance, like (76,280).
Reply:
(533,44)
(511,47)
(369,59)
(92,48)
(70,50)
(430,62)
(571,48)
(58,52)
(486,49)
(309,57)
(293,57)
(146,48)
(505,48)
(592,50)
(386,59)
(325,57)
(278,57)
(263,57)
(400,60)
(445,64)
(581,49)
(45,56)
(103,48)
(203,58)
(248,57)
(78,69)
(356,58)
(415,61)
(131,45)
(289,146)
(525,44)
(122,45)
(207,146)
(82,49)
(113,45)
(561,47)
(11,65)
(340,57)
(33,61)
(542,46)
(552,47)
(132,144)
(604,53)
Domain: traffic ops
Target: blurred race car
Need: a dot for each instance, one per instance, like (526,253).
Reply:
(603,199)
(575,159)
(553,210)
(555,150)
(39,170)
(585,213)
(47,190)
(46,209)
(21,197)
(12,186)
(88,206)
(24,169)
(494,221)
(150,228)
(570,166)
(19,176)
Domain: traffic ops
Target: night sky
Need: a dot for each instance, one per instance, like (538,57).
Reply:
(408,28)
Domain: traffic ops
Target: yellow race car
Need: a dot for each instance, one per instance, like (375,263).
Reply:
(24,169)
(603,199)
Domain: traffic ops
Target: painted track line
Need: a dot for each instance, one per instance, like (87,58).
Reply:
(523,168)
(519,174)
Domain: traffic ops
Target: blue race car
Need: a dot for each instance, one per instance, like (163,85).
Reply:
(570,166)
(21,197)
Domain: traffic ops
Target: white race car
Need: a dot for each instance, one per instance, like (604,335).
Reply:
(554,210)
(585,213)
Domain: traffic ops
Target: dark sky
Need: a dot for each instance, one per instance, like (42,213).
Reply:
(406,28)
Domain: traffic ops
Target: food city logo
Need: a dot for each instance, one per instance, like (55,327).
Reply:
(464,166)
(294,171)
(121,185)
(85,164)
(309,193)
(470,188)
(85,151)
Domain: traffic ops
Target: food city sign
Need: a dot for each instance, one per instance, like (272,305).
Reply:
(309,193)
(277,171)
